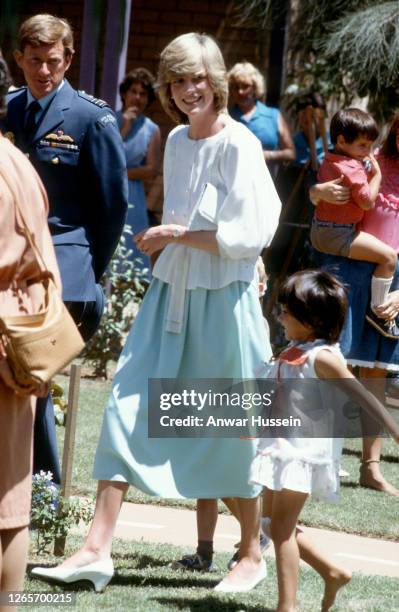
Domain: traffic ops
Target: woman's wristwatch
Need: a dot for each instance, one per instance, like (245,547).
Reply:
(177,232)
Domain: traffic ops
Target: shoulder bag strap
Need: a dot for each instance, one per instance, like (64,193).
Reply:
(29,236)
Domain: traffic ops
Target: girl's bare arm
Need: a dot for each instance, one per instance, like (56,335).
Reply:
(329,366)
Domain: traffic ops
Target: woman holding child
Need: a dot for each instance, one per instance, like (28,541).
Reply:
(200,318)
(362,343)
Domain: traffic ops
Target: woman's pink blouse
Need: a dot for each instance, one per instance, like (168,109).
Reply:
(382,221)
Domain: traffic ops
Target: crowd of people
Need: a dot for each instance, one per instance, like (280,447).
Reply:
(201,317)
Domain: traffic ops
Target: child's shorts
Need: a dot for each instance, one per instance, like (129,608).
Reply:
(332,238)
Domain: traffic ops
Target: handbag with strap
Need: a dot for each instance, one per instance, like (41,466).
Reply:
(39,345)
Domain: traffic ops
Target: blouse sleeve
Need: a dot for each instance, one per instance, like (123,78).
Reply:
(168,162)
(248,215)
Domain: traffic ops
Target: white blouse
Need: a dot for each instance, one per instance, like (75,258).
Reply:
(220,183)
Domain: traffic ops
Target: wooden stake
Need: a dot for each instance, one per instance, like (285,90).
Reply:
(69,444)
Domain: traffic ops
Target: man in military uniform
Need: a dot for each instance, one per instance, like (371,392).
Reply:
(73,141)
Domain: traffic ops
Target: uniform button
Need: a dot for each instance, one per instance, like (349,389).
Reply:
(55,160)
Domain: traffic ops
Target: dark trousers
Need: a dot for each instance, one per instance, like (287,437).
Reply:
(87,316)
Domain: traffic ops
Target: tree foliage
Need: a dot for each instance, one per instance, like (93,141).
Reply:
(341,48)
(364,46)
(260,13)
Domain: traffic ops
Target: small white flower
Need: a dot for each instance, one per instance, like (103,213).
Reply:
(292,89)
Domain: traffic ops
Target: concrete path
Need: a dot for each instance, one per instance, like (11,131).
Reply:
(176,526)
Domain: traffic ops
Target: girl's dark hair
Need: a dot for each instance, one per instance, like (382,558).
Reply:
(317,299)
(142,76)
(389,148)
(5,82)
(352,123)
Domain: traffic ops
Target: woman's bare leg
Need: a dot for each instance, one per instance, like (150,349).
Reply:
(13,557)
(249,551)
(232,504)
(334,577)
(370,471)
(98,542)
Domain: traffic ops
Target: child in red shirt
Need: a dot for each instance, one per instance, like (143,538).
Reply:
(335,227)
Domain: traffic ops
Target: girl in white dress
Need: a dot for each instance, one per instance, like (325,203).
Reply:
(313,306)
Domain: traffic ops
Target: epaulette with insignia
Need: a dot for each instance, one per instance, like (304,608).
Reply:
(92,99)
(14,91)
(109,118)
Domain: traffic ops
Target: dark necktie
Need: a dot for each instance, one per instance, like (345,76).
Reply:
(30,122)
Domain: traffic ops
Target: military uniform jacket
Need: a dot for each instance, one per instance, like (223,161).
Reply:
(78,152)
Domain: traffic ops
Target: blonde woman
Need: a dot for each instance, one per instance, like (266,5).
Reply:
(247,88)
(200,318)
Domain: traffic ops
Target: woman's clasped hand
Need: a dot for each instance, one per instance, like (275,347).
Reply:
(154,239)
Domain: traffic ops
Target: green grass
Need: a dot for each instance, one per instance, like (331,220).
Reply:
(359,511)
(143,581)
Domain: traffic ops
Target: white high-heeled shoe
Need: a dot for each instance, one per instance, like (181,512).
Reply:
(98,573)
(225,587)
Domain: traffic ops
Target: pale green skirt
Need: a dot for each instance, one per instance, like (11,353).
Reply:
(223,336)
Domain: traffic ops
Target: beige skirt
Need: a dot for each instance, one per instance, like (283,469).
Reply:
(16,441)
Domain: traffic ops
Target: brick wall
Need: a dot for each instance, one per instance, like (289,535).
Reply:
(154,23)
(70,9)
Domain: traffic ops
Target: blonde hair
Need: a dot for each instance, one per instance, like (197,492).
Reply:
(247,70)
(46,29)
(189,54)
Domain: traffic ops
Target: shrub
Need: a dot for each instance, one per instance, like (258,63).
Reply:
(52,516)
(60,404)
(125,287)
